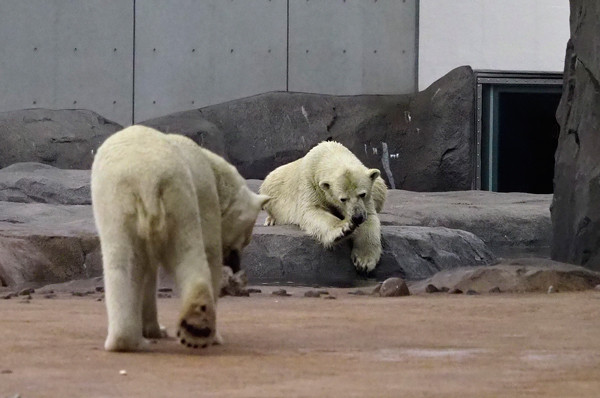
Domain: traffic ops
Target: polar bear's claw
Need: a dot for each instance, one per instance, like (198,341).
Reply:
(345,231)
(364,265)
(269,221)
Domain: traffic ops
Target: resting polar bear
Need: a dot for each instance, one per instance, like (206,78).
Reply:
(161,200)
(330,194)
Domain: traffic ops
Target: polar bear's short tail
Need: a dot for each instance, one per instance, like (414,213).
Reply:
(151,217)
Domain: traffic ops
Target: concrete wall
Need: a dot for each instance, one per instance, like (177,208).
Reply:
(192,53)
(67,54)
(491,34)
(348,47)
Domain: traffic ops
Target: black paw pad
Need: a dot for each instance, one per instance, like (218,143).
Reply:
(196,331)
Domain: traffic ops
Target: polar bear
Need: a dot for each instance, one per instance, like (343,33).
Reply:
(330,194)
(161,200)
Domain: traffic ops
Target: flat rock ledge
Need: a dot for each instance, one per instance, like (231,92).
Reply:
(44,243)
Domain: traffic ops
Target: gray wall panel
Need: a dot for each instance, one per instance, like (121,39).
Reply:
(61,54)
(352,46)
(191,53)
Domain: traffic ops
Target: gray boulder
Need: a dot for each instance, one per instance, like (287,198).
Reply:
(511,224)
(41,183)
(61,138)
(281,254)
(576,206)
(47,243)
(420,143)
(515,276)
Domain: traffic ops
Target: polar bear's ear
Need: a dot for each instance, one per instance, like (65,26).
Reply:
(373,174)
(324,185)
(262,200)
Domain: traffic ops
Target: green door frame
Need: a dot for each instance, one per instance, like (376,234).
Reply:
(490,84)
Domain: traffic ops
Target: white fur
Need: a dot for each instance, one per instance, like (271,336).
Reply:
(161,200)
(304,192)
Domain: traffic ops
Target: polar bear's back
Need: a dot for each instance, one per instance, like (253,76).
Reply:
(132,173)
(330,155)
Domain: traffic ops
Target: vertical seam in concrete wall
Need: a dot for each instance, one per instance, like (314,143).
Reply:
(417,28)
(133,71)
(287,49)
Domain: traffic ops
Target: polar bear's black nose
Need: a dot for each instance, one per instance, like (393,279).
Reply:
(358,219)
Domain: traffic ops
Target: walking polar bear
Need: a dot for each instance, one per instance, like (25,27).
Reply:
(161,200)
(330,194)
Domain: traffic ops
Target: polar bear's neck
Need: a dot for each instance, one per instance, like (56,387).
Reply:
(228,180)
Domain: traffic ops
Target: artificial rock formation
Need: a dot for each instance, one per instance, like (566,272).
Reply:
(62,138)
(420,142)
(576,205)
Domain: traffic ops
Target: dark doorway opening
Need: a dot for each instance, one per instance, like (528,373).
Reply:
(527,140)
(517,131)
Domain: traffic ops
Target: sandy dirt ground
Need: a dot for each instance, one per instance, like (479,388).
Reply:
(542,345)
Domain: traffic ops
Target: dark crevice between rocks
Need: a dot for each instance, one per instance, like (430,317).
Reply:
(590,73)
(332,121)
(575,135)
(446,153)
(3,282)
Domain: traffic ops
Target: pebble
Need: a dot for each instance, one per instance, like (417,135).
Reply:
(472,292)
(26,292)
(253,290)
(79,294)
(431,289)
(393,287)
(123,372)
(6,371)
(323,291)
(99,299)
(281,292)
(455,291)
(100,289)
(312,293)
(49,296)
(165,290)
(495,289)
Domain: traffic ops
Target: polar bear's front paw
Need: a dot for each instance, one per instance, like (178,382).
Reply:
(269,221)
(337,234)
(197,328)
(345,231)
(364,261)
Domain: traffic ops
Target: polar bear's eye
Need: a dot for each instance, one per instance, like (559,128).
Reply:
(343,199)
(362,195)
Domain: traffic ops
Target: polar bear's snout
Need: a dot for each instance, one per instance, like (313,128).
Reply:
(359,218)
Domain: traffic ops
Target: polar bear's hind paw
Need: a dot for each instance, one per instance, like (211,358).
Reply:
(197,328)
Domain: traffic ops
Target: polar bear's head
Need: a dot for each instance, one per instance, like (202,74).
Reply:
(237,223)
(347,193)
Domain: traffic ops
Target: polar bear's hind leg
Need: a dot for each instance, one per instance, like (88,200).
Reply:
(123,295)
(186,256)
